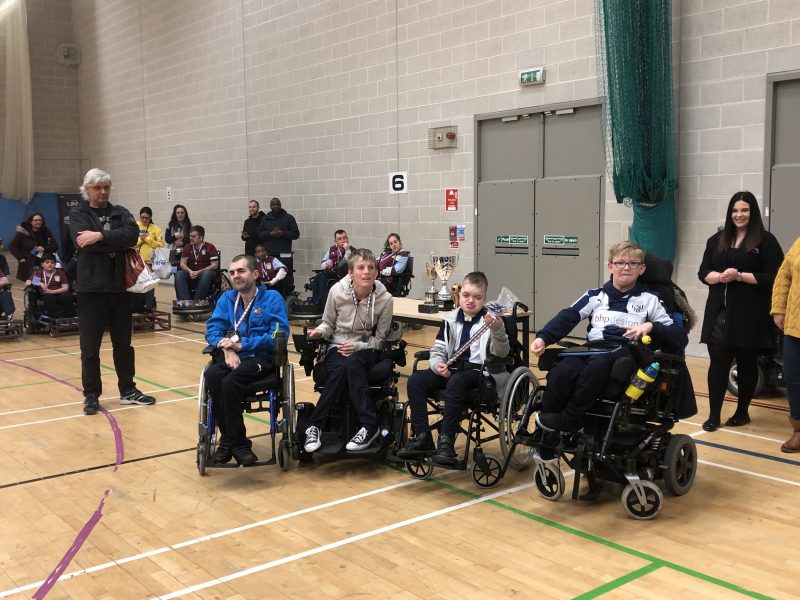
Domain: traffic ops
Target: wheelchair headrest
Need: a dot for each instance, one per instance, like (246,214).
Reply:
(658,270)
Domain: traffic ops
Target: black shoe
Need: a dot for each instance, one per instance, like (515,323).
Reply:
(445,452)
(417,446)
(222,456)
(711,425)
(136,397)
(91,405)
(555,422)
(737,421)
(245,456)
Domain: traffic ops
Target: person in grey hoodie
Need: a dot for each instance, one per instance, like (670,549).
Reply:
(356,323)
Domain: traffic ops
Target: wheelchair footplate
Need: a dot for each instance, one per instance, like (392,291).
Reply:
(63,325)
(10,329)
(189,307)
(149,321)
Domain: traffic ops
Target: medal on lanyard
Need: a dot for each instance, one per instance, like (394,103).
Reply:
(235,337)
(365,335)
(46,278)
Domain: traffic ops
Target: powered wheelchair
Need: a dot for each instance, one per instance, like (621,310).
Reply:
(273,393)
(38,319)
(495,406)
(9,327)
(199,308)
(342,421)
(624,439)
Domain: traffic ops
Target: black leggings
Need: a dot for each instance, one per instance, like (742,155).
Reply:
(718,369)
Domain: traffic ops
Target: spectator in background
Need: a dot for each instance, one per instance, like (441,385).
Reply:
(739,267)
(786,315)
(32,240)
(271,271)
(177,233)
(102,232)
(199,266)
(149,239)
(277,230)
(250,228)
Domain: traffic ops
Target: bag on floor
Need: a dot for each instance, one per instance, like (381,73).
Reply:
(159,262)
(138,277)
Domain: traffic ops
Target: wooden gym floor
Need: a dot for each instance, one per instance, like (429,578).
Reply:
(114,504)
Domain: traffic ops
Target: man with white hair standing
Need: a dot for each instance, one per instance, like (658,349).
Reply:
(102,232)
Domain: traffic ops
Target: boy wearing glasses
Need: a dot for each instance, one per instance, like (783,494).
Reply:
(620,311)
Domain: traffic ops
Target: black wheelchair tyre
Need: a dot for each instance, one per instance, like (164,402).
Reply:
(201,457)
(549,481)
(680,460)
(521,384)
(489,477)
(733,380)
(421,469)
(284,454)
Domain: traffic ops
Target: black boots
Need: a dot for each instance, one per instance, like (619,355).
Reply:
(417,446)
(445,452)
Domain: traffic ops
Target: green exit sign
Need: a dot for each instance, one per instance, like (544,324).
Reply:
(532,76)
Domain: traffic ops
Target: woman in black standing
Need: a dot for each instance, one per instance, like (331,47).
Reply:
(177,232)
(32,240)
(739,266)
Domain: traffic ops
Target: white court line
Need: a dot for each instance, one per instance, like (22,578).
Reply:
(734,432)
(753,473)
(62,354)
(212,536)
(342,542)
(185,339)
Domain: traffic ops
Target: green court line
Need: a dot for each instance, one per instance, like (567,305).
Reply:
(618,582)
(654,561)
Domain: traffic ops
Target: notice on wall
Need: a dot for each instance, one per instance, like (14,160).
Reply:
(451,199)
(461,233)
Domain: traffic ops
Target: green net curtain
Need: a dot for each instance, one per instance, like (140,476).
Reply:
(635,78)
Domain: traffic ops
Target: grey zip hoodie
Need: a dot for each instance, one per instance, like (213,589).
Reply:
(343,321)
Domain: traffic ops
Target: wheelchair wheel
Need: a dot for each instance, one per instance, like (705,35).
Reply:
(284,454)
(520,388)
(487,478)
(733,380)
(422,469)
(643,510)
(681,464)
(206,437)
(549,481)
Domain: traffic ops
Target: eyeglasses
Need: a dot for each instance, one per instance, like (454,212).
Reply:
(621,264)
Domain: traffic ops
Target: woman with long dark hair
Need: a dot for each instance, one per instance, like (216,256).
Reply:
(739,267)
(392,262)
(32,240)
(177,232)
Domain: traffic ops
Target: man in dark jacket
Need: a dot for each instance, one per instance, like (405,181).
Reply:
(102,232)
(250,229)
(277,230)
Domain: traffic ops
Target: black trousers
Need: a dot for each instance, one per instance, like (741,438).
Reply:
(576,382)
(228,389)
(718,369)
(6,302)
(351,372)
(423,383)
(58,305)
(96,311)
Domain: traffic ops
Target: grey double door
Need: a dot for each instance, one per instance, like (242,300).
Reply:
(540,189)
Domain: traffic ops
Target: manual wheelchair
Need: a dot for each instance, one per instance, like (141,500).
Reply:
(495,406)
(622,440)
(342,421)
(273,393)
(196,309)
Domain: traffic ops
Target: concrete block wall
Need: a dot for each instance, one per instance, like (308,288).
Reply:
(54,87)
(728,47)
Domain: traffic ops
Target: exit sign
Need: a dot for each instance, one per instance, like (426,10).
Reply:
(532,76)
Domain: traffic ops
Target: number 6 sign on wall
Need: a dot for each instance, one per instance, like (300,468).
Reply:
(398,182)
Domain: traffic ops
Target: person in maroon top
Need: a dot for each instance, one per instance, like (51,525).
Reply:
(333,267)
(271,272)
(198,268)
(6,301)
(53,284)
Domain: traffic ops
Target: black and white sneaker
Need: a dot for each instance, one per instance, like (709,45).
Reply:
(313,441)
(362,439)
(91,405)
(136,397)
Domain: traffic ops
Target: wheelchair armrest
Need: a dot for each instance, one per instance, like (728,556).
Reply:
(422,355)
(209,349)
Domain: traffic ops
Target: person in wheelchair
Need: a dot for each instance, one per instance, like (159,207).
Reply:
(391,263)
(198,268)
(457,329)
(620,311)
(271,272)
(334,266)
(7,307)
(52,285)
(356,322)
(241,328)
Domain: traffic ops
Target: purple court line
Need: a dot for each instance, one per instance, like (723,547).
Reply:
(84,533)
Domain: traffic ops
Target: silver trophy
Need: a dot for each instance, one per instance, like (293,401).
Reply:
(430,295)
(444,267)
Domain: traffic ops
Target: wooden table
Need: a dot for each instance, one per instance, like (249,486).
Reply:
(405,311)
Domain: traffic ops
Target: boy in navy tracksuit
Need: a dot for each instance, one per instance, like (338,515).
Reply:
(620,311)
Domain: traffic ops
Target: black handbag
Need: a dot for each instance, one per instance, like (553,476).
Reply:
(718,329)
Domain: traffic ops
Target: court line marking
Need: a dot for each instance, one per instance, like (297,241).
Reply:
(77,353)
(751,473)
(734,432)
(753,453)
(212,536)
(619,582)
(343,542)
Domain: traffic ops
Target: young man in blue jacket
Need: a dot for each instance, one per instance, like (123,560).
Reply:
(242,326)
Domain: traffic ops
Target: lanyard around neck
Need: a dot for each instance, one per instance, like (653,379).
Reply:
(246,309)
(365,319)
